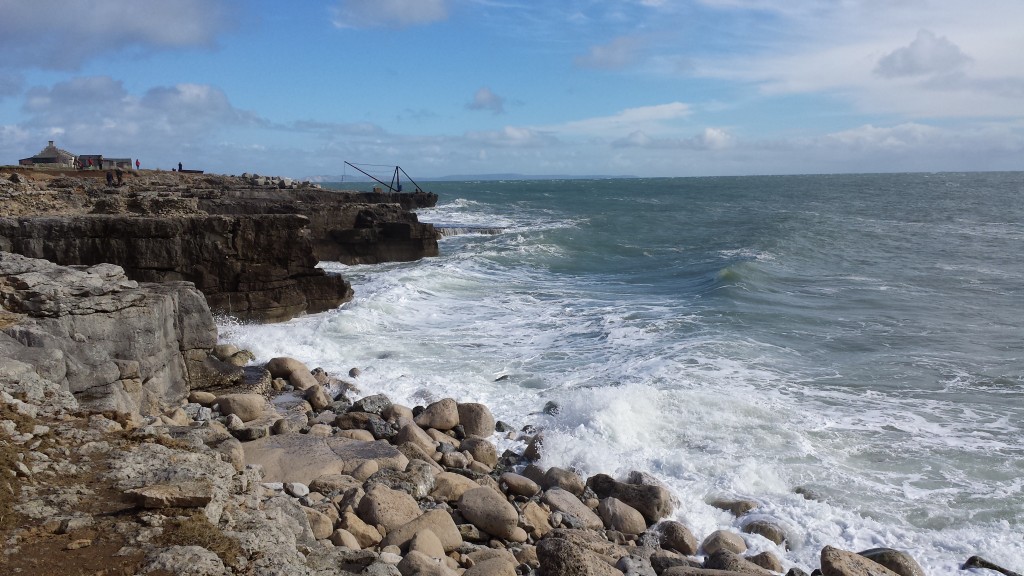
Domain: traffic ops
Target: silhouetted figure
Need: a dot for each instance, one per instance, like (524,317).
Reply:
(110,178)
(179,166)
(137,163)
(120,176)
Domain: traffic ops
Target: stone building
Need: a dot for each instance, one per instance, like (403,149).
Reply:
(51,155)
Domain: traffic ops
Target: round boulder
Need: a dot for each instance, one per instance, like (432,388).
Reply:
(246,406)
(723,540)
(676,536)
(490,512)
(441,415)
(282,367)
(476,420)
(387,507)
(621,517)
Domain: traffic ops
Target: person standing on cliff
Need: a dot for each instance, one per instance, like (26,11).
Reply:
(110,178)
(120,177)
(137,163)
(179,166)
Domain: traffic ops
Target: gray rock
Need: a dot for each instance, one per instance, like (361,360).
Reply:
(567,503)
(676,536)
(565,479)
(836,562)
(417,479)
(437,521)
(560,557)
(654,502)
(899,562)
(723,540)
(184,560)
(766,528)
(732,562)
(303,458)
(375,404)
(441,415)
(621,517)
(384,506)
(476,420)
(490,512)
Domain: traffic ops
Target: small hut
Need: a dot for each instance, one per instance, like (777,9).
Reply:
(51,155)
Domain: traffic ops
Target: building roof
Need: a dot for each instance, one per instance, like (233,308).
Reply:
(53,154)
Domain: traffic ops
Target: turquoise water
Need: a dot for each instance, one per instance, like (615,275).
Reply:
(856,337)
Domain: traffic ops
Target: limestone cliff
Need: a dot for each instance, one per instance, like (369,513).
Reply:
(114,343)
(250,244)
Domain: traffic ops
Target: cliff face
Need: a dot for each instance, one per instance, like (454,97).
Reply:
(253,267)
(114,343)
(251,245)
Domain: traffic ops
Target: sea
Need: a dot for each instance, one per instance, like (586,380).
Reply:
(845,350)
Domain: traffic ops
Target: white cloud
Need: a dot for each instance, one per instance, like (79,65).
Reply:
(927,54)
(647,118)
(512,136)
(617,54)
(485,99)
(388,13)
(56,34)
(708,139)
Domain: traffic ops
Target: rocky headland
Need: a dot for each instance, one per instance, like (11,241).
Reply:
(133,441)
(249,243)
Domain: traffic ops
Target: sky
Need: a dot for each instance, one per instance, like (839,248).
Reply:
(569,87)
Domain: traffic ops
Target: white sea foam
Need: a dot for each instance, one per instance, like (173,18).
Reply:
(690,390)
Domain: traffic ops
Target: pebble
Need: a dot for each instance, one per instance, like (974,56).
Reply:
(296,489)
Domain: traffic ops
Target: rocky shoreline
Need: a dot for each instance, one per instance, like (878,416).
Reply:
(132,441)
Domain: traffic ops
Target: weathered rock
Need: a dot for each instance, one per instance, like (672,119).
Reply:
(737,507)
(410,432)
(676,536)
(283,366)
(184,561)
(73,325)
(441,415)
(342,537)
(319,523)
(490,512)
(560,557)
(768,529)
(836,562)
(654,502)
(732,562)
(376,404)
(567,503)
(476,420)
(187,494)
(899,562)
(481,450)
(771,562)
(418,564)
(245,406)
(723,540)
(389,508)
(492,567)
(366,535)
(302,458)
(437,521)
(520,485)
(537,518)
(417,479)
(317,397)
(253,267)
(621,517)
(449,487)
(565,479)
(427,543)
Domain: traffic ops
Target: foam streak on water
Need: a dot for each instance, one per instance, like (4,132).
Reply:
(857,337)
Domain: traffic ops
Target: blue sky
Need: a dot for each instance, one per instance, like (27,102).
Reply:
(574,87)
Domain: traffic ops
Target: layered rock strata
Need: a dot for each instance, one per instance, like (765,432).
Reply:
(250,244)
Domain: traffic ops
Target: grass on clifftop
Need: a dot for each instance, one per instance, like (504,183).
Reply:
(196,530)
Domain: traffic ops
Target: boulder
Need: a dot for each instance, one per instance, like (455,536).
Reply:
(319,523)
(282,367)
(317,397)
(441,415)
(376,404)
(560,557)
(520,485)
(342,537)
(490,512)
(437,521)
(723,540)
(771,562)
(836,562)
(246,406)
(449,487)
(481,450)
(676,536)
(654,502)
(476,420)
(769,530)
(492,567)
(418,564)
(303,458)
(417,479)
(390,508)
(565,479)
(410,432)
(427,543)
(737,507)
(899,562)
(567,503)
(621,517)
(186,494)
(537,519)
(732,562)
